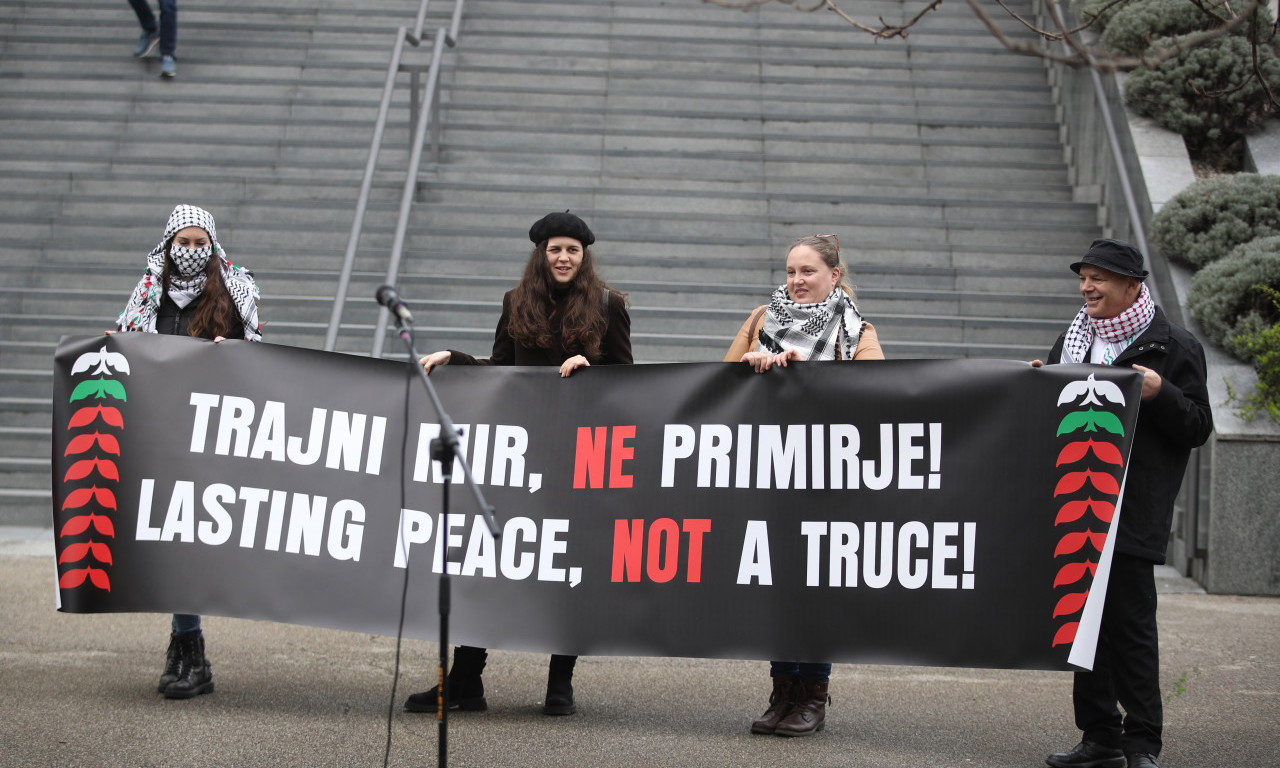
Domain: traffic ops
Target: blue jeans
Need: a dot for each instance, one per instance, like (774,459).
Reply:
(168,26)
(184,623)
(813,670)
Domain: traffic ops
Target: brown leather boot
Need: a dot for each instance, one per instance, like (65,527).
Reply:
(780,703)
(809,714)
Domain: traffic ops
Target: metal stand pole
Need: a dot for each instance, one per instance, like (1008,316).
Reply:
(445,449)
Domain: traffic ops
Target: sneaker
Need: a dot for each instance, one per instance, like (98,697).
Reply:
(167,67)
(146,44)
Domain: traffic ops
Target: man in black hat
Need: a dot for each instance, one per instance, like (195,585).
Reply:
(1121,325)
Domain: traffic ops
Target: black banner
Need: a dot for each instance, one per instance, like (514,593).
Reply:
(942,512)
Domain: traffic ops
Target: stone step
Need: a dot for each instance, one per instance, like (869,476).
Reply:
(697,141)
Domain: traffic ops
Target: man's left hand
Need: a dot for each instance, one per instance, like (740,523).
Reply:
(1151,382)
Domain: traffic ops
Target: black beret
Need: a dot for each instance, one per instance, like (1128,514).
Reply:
(561,225)
(1114,256)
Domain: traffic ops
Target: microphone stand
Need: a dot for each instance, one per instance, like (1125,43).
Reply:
(444,449)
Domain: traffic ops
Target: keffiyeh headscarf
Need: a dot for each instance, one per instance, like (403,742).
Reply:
(827,330)
(187,277)
(1118,332)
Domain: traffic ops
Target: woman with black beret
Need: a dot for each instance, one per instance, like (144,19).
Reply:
(560,314)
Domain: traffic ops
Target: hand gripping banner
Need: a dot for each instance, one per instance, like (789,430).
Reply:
(938,512)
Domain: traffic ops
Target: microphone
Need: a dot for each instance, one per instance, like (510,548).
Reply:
(388,298)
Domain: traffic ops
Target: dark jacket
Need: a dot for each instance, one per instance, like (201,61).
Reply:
(615,347)
(1170,424)
(172,320)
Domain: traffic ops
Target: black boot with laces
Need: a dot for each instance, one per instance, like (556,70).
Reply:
(195,674)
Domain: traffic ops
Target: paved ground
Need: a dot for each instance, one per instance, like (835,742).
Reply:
(78,690)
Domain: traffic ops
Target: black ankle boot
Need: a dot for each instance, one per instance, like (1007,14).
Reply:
(195,674)
(171,666)
(559,700)
(466,686)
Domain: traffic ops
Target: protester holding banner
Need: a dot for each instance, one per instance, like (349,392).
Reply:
(1120,324)
(190,288)
(811,317)
(561,314)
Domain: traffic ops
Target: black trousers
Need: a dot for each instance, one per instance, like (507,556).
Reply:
(1126,670)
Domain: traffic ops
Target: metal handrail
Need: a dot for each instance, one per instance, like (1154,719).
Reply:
(1117,157)
(420,118)
(1192,508)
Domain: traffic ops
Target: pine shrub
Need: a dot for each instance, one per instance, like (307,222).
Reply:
(1228,298)
(1263,346)
(1208,94)
(1097,14)
(1209,218)
(1133,27)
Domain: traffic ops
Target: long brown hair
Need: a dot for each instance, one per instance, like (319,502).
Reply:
(585,317)
(216,315)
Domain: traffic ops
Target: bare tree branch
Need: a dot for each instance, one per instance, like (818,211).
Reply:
(1082,55)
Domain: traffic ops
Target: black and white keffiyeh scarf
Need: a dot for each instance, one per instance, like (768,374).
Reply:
(1119,331)
(826,330)
(187,277)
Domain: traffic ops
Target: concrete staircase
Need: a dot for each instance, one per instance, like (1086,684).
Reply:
(697,141)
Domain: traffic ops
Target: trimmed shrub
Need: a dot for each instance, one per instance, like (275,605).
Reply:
(1227,296)
(1208,94)
(1263,346)
(1209,218)
(1096,14)
(1133,26)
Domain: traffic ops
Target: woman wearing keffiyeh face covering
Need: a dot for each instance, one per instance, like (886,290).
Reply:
(811,317)
(190,288)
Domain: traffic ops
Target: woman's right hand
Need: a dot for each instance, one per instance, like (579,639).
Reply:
(759,361)
(763,361)
(434,359)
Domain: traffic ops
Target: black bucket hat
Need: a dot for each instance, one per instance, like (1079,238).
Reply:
(1114,256)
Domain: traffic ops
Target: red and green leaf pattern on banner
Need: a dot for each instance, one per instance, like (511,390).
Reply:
(1086,492)
(89,484)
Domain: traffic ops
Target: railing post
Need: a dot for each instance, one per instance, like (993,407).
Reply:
(410,186)
(362,200)
(435,121)
(415,106)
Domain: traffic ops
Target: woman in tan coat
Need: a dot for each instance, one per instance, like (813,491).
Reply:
(811,317)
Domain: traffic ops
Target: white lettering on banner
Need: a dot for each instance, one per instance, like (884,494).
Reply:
(527,547)
(913,554)
(243,429)
(799,456)
(501,455)
(313,524)
(754,563)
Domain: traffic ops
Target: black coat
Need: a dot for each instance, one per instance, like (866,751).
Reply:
(173,320)
(1170,424)
(615,347)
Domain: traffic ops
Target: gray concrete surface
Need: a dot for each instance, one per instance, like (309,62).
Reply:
(78,690)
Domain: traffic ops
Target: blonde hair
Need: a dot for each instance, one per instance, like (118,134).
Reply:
(828,247)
